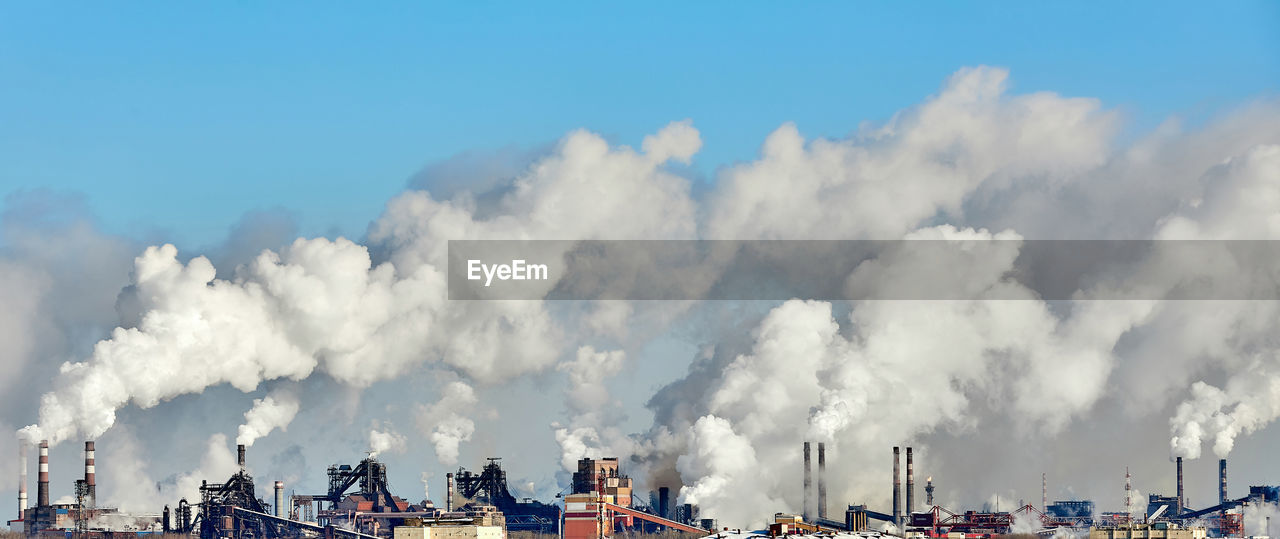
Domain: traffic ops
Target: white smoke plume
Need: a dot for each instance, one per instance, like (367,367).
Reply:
(1257,518)
(445,423)
(1235,208)
(592,430)
(1252,401)
(1137,505)
(855,389)
(384,439)
(128,482)
(888,180)
(719,473)
(273,411)
(325,304)
(898,371)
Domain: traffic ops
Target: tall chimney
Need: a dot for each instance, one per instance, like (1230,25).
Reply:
(448,491)
(911,485)
(1181,501)
(897,490)
(822,480)
(808,484)
(928,492)
(90,477)
(664,500)
(22,478)
(280,499)
(42,487)
(1128,492)
(1044,492)
(240,456)
(1222,481)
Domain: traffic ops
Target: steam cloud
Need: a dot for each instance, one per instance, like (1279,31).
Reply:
(971,163)
(386,440)
(324,304)
(592,431)
(273,411)
(445,423)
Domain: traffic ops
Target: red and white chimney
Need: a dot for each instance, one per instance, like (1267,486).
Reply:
(42,487)
(90,477)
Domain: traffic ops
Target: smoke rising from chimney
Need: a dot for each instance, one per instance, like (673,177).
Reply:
(386,440)
(445,424)
(273,411)
(324,304)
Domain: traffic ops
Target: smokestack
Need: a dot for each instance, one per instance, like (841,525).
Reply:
(22,478)
(280,499)
(822,480)
(928,491)
(911,485)
(664,498)
(42,486)
(1044,492)
(448,491)
(240,456)
(1181,500)
(1222,481)
(897,490)
(90,477)
(808,483)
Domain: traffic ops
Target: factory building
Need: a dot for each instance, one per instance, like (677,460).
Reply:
(601,503)
(586,515)
(1158,530)
(479,522)
(598,487)
(1070,509)
(60,518)
(602,475)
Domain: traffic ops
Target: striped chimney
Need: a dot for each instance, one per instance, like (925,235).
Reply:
(42,487)
(90,477)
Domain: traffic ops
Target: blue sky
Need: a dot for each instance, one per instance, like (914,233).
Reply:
(174,119)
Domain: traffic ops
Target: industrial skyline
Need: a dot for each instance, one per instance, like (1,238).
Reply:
(601,500)
(226,229)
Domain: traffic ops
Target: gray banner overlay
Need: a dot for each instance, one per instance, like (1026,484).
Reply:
(863,270)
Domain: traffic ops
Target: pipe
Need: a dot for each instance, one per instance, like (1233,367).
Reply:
(911,485)
(280,499)
(22,479)
(448,491)
(897,489)
(90,476)
(240,456)
(822,480)
(808,484)
(1181,502)
(42,486)
(1222,481)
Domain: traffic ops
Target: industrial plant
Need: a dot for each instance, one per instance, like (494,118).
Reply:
(360,504)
